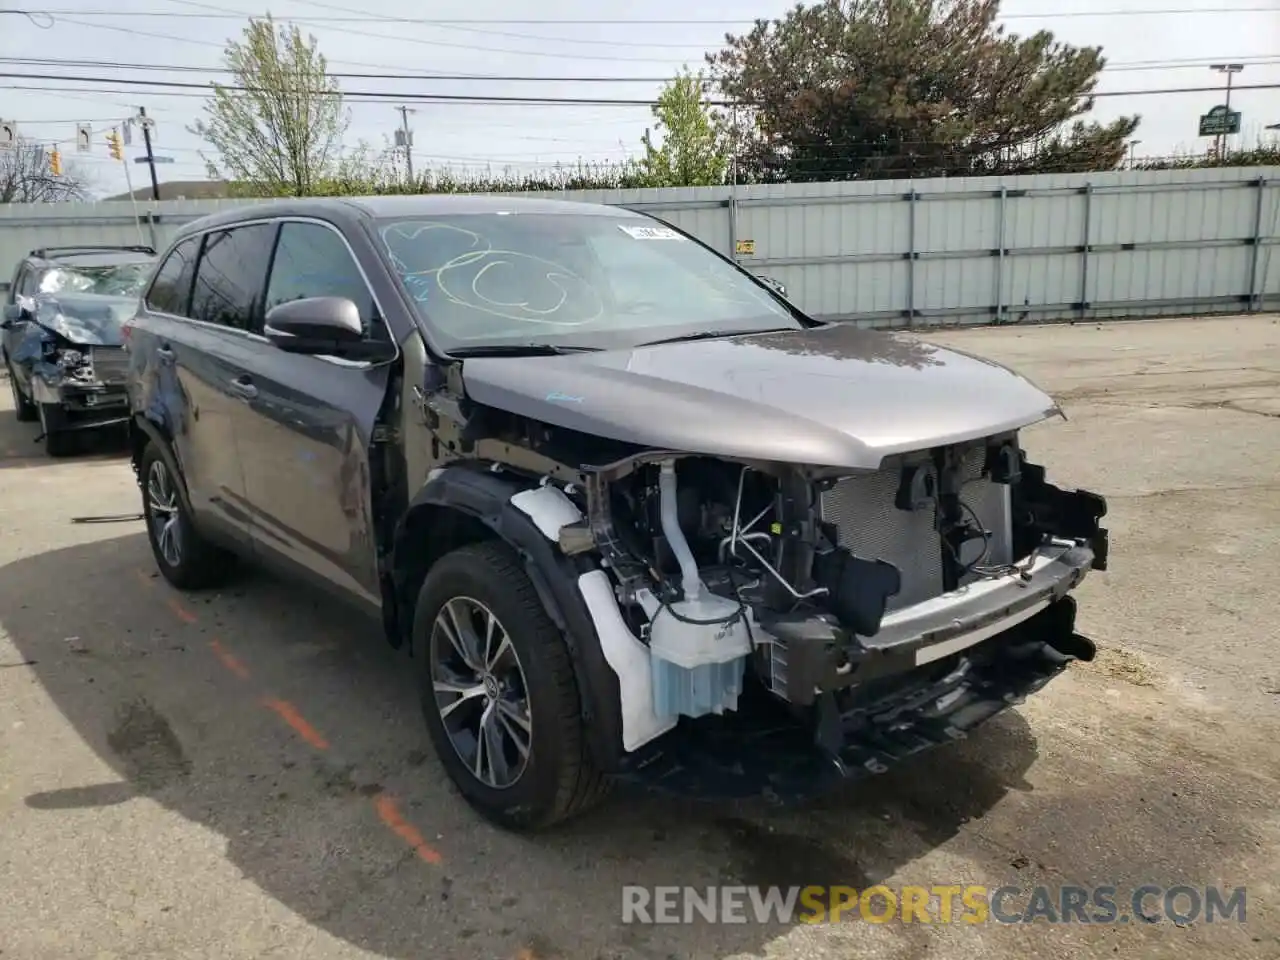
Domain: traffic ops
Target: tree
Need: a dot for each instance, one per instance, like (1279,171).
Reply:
(854,89)
(695,148)
(278,128)
(25,177)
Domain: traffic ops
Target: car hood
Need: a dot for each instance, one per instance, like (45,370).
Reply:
(85,319)
(833,396)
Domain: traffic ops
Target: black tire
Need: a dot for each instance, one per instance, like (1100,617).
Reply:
(196,563)
(23,408)
(58,441)
(558,779)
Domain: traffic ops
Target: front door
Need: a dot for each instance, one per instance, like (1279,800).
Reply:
(305,446)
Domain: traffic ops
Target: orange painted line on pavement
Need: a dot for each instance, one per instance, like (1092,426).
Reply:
(387,809)
(181,612)
(229,660)
(290,715)
(389,814)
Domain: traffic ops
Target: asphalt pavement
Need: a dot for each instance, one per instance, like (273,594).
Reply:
(246,773)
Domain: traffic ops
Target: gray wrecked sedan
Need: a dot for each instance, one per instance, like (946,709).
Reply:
(636,514)
(61,337)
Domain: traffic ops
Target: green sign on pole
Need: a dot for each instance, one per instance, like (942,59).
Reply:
(1219,121)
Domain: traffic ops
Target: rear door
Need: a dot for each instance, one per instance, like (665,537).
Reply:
(306,446)
(198,343)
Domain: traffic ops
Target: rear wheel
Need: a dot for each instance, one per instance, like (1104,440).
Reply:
(23,408)
(499,695)
(58,440)
(185,558)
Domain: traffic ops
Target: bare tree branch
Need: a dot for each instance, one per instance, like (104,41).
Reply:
(25,177)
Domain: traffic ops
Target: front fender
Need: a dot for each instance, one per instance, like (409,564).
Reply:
(487,498)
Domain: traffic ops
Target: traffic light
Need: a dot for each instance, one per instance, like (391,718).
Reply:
(113,145)
(55,162)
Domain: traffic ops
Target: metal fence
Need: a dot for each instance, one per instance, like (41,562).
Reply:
(911,252)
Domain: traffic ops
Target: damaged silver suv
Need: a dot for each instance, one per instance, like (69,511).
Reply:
(635,515)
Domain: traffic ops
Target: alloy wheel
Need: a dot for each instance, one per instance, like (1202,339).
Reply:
(162,504)
(480,692)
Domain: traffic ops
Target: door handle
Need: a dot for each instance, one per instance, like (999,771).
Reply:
(165,354)
(243,387)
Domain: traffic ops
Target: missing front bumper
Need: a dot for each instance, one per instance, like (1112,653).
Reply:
(821,657)
(83,404)
(770,754)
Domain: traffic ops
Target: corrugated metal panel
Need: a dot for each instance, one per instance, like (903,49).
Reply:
(964,250)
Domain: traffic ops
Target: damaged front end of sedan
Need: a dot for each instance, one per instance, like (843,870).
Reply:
(772,628)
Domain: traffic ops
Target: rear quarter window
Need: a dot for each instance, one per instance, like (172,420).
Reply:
(170,291)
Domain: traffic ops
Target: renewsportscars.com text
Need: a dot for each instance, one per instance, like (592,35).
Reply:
(940,903)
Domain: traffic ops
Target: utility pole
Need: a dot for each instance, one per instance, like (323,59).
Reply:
(1132,144)
(1230,69)
(406,138)
(151,157)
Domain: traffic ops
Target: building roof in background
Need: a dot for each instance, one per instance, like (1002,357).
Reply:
(181,190)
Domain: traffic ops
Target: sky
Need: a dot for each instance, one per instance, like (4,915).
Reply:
(1170,44)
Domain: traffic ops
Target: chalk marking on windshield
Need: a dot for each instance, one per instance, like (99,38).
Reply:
(557,275)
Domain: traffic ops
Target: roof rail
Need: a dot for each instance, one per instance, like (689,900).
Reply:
(45,252)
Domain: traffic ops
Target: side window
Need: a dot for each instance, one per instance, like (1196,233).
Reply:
(233,266)
(313,261)
(28,281)
(15,285)
(171,290)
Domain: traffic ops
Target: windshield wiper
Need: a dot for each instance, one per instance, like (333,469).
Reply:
(520,350)
(711,335)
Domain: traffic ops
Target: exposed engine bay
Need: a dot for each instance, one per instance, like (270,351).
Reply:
(830,590)
(70,352)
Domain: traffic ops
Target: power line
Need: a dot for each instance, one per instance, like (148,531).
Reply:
(508,51)
(354,96)
(617,21)
(362,17)
(493,98)
(365,18)
(1137,65)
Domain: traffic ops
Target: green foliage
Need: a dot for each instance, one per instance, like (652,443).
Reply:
(1262,154)
(282,134)
(695,147)
(858,89)
(381,178)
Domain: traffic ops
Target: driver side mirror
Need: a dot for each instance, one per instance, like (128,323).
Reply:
(14,314)
(777,286)
(314,325)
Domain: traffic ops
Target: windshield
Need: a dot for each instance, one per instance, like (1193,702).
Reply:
(118,280)
(570,279)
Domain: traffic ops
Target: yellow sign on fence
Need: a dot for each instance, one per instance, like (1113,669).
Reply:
(745,248)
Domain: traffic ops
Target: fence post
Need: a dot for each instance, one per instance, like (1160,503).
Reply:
(1084,251)
(1255,296)
(912,197)
(733,222)
(1004,199)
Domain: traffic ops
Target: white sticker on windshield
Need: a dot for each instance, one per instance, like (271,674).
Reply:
(650,233)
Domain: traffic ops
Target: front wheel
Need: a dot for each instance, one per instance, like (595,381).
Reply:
(498,691)
(23,408)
